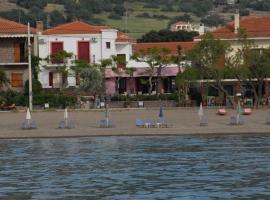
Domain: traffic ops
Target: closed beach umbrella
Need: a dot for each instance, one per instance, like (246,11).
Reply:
(200,112)
(66,114)
(107,115)
(28,114)
(238,112)
(161,114)
(239,108)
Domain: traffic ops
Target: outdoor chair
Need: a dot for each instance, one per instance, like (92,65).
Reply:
(69,125)
(204,121)
(103,124)
(149,124)
(233,120)
(140,123)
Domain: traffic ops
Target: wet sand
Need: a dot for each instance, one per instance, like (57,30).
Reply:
(184,121)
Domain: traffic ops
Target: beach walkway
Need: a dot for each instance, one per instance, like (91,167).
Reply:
(183,120)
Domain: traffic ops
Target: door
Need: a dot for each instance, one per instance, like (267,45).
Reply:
(51,79)
(17,53)
(84,51)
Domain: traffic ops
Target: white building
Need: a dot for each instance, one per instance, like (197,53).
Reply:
(187,26)
(86,42)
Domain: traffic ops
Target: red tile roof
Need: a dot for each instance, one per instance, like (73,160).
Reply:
(122,37)
(79,27)
(255,26)
(11,27)
(76,27)
(170,45)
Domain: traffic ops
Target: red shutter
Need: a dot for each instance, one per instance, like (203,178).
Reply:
(55,48)
(84,51)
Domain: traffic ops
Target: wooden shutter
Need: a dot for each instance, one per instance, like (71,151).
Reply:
(17,53)
(16,79)
(56,47)
(84,51)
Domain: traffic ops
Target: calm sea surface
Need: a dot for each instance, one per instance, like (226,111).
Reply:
(123,168)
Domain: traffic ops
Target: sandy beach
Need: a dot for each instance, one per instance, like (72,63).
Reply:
(184,121)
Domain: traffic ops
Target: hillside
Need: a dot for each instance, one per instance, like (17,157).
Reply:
(134,16)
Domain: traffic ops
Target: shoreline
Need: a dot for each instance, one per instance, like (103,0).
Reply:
(184,122)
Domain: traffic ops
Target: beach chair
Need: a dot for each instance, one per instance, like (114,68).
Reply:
(26,126)
(204,121)
(267,120)
(139,123)
(222,111)
(149,124)
(233,120)
(103,124)
(247,111)
(70,125)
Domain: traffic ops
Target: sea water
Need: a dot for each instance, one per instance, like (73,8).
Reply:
(123,168)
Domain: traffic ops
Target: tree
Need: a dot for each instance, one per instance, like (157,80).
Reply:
(156,58)
(3,79)
(208,56)
(184,80)
(91,81)
(250,66)
(61,59)
(168,36)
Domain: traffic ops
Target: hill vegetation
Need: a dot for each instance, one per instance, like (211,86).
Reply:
(134,16)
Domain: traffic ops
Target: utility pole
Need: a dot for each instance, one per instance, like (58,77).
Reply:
(126,17)
(29,69)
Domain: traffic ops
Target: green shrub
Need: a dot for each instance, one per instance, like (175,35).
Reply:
(36,87)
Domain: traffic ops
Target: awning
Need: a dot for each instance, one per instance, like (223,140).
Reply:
(141,72)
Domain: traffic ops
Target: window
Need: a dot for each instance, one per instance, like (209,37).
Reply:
(84,51)
(121,60)
(108,45)
(16,79)
(56,47)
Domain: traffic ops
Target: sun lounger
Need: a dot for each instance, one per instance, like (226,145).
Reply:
(103,124)
(139,123)
(247,111)
(204,121)
(222,111)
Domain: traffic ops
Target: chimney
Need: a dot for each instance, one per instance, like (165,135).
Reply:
(236,22)
(39,26)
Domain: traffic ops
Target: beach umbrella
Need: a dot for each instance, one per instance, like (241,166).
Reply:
(200,112)
(238,112)
(66,117)
(161,114)
(107,115)
(66,114)
(28,114)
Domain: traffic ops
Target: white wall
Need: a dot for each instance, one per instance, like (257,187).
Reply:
(98,50)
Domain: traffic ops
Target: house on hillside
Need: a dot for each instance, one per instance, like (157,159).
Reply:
(257,29)
(86,42)
(187,26)
(14,52)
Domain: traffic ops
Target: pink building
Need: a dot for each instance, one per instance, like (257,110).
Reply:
(118,81)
